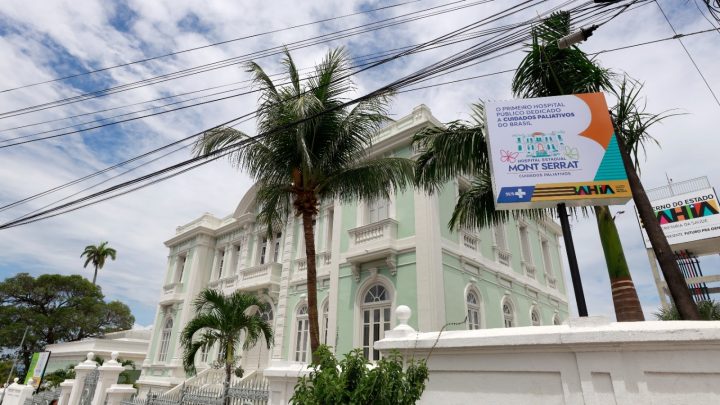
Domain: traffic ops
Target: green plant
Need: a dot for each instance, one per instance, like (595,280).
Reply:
(709,311)
(313,148)
(225,321)
(353,380)
(97,256)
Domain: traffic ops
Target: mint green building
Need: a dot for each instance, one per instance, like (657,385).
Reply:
(373,256)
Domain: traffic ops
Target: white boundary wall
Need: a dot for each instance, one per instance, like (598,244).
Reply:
(588,361)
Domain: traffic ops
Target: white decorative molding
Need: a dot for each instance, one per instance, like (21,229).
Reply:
(391,262)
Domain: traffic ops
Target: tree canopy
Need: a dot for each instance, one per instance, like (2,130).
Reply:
(57,309)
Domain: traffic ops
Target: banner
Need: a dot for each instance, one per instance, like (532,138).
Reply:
(544,151)
(686,217)
(37,369)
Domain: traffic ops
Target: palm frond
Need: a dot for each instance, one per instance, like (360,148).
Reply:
(368,180)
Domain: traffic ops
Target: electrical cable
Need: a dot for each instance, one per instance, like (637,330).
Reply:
(717,101)
(324,38)
(390,87)
(207,46)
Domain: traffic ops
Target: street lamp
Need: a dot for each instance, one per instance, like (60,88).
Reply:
(576,37)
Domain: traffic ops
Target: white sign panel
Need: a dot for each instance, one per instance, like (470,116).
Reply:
(549,150)
(687,217)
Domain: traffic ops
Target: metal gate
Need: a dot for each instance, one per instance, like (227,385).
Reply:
(43,398)
(88,391)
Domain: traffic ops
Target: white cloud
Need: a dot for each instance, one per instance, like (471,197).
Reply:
(138,223)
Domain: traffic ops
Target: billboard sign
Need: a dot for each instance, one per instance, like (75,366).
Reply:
(37,369)
(551,150)
(688,217)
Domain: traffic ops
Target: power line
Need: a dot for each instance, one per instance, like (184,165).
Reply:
(423,80)
(207,46)
(689,55)
(304,43)
(18,140)
(211,156)
(393,86)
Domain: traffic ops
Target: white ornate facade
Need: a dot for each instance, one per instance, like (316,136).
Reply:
(372,257)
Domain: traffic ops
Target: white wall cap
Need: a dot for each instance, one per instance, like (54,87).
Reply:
(281,369)
(642,334)
(121,388)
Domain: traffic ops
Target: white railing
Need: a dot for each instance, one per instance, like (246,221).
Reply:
(321,260)
(503,256)
(385,229)
(551,281)
(470,241)
(225,282)
(172,288)
(258,276)
(529,269)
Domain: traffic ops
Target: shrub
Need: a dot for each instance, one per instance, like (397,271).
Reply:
(354,380)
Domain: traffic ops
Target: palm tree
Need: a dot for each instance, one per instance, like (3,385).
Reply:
(631,124)
(312,148)
(709,311)
(548,70)
(226,321)
(97,256)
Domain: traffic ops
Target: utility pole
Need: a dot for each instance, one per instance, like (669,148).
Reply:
(12,368)
(572,260)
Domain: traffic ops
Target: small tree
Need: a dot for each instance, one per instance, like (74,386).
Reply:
(97,256)
(224,320)
(354,381)
(709,311)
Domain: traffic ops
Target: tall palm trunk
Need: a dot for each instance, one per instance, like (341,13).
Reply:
(229,360)
(95,275)
(307,218)
(625,298)
(666,258)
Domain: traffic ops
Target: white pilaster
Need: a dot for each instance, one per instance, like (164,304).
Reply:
(428,267)
(81,371)
(109,373)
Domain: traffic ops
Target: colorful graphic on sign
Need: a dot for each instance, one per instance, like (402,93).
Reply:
(37,369)
(554,149)
(687,217)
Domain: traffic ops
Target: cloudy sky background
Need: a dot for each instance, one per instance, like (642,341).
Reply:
(45,40)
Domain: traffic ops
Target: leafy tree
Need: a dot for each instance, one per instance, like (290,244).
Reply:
(97,256)
(548,70)
(313,149)
(353,381)
(631,124)
(709,311)
(57,309)
(5,366)
(226,321)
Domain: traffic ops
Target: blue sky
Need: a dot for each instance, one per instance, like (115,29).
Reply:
(43,41)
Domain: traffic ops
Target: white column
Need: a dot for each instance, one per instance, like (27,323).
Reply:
(245,241)
(109,373)
(65,390)
(429,270)
(81,371)
(119,392)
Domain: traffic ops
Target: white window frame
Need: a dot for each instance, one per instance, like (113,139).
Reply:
(473,322)
(383,310)
(277,247)
(535,311)
(165,336)
(301,342)
(525,245)
(324,321)
(262,250)
(508,317)
(547,258)
(180,267)
(221,262)
(503,233)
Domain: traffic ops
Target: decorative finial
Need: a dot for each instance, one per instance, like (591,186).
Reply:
(403,314)
(15,380)
(114,355)
(90,356)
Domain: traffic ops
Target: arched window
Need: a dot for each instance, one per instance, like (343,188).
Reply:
(165,340)
(302,328)
(267,315)
(376,307)
(535,317)
(204,354)
(324,323)
(473,310)
(508,313)
(556,320)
